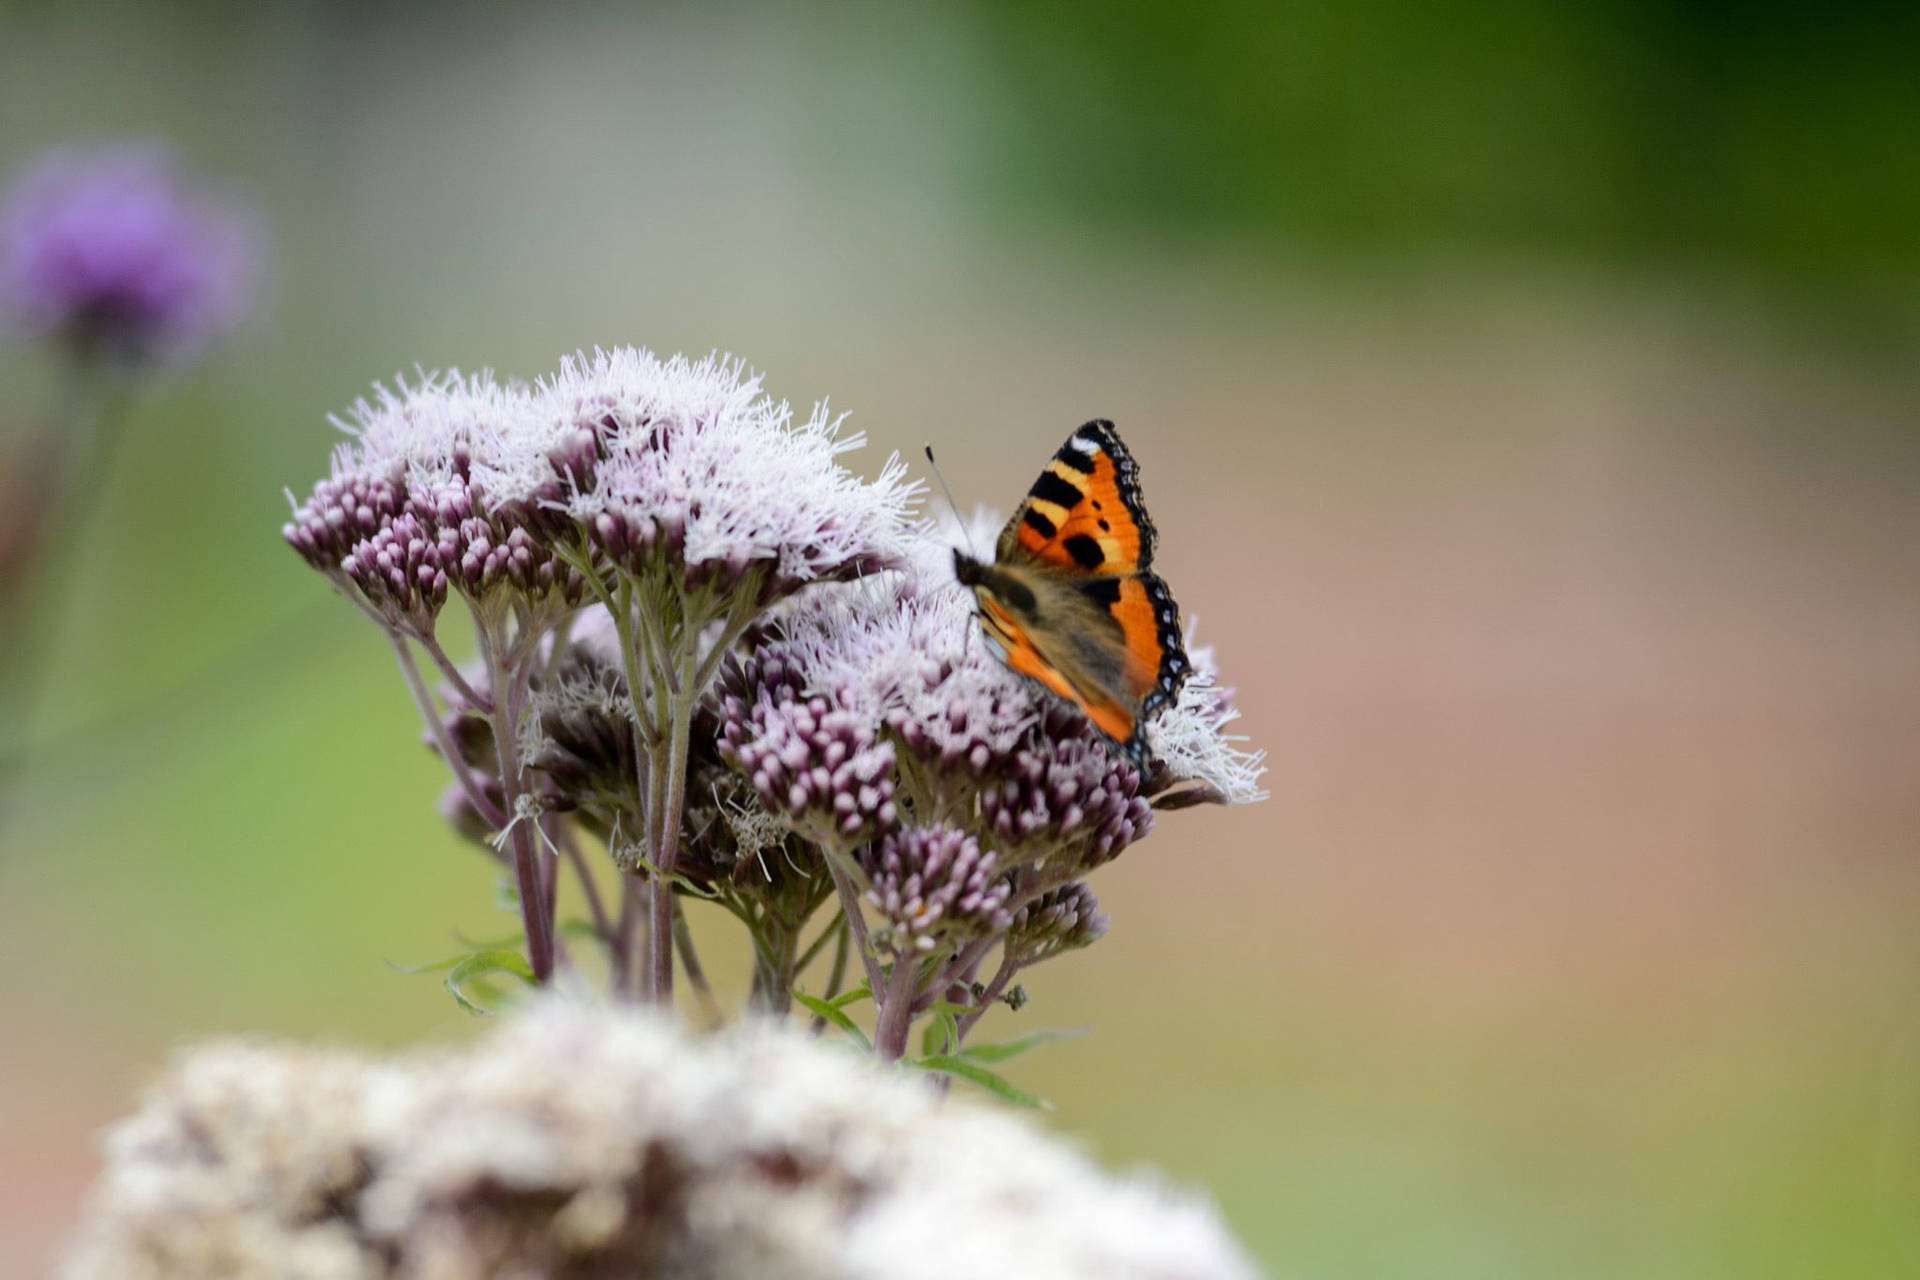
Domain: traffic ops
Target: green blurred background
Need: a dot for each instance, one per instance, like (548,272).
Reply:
(1527,396)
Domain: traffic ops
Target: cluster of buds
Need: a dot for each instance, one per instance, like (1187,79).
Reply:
(1065,787)
(822,766)
(343,511)
(580,737)
(934,887)
(1059,920)
(402,520)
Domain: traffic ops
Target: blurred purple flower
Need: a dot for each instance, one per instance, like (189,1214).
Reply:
(113,251)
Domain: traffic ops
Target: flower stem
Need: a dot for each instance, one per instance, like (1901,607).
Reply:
(836,975)
(508,690)
(429,714)
(659,985)
(451,671)
(73,460)
(896,1012)
(570,848)
(631,887)
(856,921)
(1009,966)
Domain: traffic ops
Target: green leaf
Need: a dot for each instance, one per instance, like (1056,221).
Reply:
(973,1073)
(941,1035)
(855,996)
(578,928)
(480,965)
(466,973)
(832,1013)
(1002,1050)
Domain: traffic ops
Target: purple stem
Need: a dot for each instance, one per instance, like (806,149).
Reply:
(856,921)
(417,686)
(526,867)
(896,1012)
(1008,967)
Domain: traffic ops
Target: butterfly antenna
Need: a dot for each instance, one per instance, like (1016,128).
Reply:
(966,531)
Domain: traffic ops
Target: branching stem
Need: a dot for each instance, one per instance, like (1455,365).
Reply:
(436,725)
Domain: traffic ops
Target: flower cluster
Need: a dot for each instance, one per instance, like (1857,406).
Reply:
(807,759)
(1059,920)
(966,803)
(113,252)
(402,519)
(596,1141)
(1063,785)
(709,648)
(690,466)
(934,883)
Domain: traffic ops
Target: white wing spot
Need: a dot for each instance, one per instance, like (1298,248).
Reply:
(1080,444)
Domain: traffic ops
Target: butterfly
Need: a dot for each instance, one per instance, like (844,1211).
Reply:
(1069,599)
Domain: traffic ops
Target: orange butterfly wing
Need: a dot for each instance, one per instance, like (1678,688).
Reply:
(1085,516)
(1085,511)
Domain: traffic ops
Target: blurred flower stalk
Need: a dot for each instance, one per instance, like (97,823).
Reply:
(117,264)
(714,665)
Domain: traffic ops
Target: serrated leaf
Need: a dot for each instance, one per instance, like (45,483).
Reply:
(1001,1051)
(975,1074)
(832,1013)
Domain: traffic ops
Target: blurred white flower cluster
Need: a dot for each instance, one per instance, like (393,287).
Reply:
(593,1140)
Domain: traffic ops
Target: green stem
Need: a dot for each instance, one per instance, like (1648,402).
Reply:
(835,976)
(659,985)
(74,458)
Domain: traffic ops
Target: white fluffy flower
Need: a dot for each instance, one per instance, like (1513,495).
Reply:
(594,1140)
(694,462)
(1190,740)
(428,432)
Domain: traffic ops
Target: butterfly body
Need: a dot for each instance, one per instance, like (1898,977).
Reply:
(1070,599)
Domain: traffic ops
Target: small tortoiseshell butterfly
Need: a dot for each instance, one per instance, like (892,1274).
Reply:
(1069,600)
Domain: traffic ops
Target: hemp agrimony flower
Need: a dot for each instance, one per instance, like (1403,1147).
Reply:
(690,502)
(949,795)
(709,649)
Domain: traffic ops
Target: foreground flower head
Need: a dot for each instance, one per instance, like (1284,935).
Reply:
(582,1140)
(114,252)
